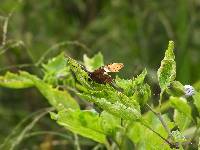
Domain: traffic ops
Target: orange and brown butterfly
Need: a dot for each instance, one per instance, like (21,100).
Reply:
(101,75)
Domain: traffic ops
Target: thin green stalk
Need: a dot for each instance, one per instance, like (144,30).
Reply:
(17,128)
(161,120)
(38,133)
(108,146)
(97,147)
(28,128)
(76,142)
(171,144)
(17,66)
(160,100)
(58,45)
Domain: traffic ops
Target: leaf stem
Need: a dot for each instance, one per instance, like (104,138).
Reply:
(171,144)
(107,145)
(39,133)
(161,120)
(160,100)
(76,142)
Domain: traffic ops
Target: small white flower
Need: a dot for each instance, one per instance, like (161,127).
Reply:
(189,90)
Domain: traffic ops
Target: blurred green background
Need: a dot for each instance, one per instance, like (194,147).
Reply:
(133,32)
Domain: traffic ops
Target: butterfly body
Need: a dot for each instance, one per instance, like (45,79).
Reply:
(101,75)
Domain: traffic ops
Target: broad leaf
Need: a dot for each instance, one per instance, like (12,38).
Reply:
(142,94)
(85,123)
(129,85)
(181,120)
(178,137)
(81,75)
(181,105)
(138,133)
(55,64)
(136,89)
(56,70)
(117,109)
(58,99)
(196,98)
(110,124)
(196,85)
(114,96)
(176,89)
(93,63)
(15,81)
(167,71)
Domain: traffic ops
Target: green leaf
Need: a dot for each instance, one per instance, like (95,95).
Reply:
(140,78)
(175,89)
(167,71)
(56,69)
(125,84)
(110,124)
(81,75)
(181,105)
(178,137)
(85,123)
(135,131)
(93,63)
(196,98)
(142,94)
(55,64)
(129,85)
(58,99)
(145,138)
(118,109)
(15,81)
(196,85)
(114,96)
(136,89)
(181,120)
(154,122)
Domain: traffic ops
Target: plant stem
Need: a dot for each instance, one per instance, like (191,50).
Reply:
(20,137)
(39,133)
(161,120)
(76,142)
(107,145)
(172,145)
(160,100)
(195,134)
(159,115)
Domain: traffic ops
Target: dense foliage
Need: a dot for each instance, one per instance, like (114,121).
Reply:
(48,101)
(120,118)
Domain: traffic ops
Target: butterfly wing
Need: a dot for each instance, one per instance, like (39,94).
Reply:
(114,67)
(101,76)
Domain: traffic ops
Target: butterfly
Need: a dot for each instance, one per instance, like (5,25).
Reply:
(101,75)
